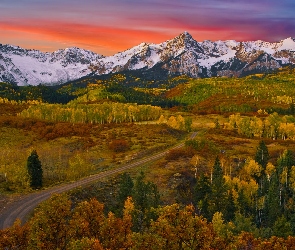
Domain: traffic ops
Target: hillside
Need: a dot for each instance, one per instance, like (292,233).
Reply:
(238,172)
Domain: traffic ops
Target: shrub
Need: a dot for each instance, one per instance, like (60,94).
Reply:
(119,145)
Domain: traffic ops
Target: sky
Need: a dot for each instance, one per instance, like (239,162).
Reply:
(110,26)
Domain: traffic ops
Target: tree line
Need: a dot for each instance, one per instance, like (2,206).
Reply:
(57,225)
(104,113)
(273,126)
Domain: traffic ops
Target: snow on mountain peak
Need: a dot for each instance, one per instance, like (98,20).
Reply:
(288,44)
(180,55)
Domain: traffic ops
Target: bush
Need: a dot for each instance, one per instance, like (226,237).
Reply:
(119,145)
(175,154)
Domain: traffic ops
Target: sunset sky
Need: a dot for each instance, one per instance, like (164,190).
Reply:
(110,26)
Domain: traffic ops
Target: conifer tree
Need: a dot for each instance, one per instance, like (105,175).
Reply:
(217,175)
(145,196)
(262,155)
(35,170)
(202,195)
(273,202)
(218,195)
(125,190)
(230,207)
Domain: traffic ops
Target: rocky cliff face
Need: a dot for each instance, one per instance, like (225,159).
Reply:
(180,55)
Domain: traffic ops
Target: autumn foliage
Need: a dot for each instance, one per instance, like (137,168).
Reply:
(119,145)
(46,130)
(56,225)
(175,154)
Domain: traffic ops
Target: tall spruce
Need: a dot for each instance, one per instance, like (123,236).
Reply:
(273,202)
(125,190)
(262,155)
(145,196)
(202,195)
(219,191)
(285,163)
(35,170)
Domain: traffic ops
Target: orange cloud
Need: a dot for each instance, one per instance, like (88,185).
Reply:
(107,40)
(101,39)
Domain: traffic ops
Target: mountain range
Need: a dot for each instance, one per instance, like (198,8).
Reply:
(181,55)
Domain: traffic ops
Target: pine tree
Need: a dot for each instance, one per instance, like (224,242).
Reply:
(218,195)
(230,207)
(35,170)
(282,227)
(145,194)
(146,197)
(125,190)
(285,163)
(273,202)
(262,155)
(202,195)
(217,175)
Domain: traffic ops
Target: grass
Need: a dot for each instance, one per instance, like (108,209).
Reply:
(67,158)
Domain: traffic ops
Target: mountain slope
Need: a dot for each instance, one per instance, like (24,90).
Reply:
(178,56)
(22,67)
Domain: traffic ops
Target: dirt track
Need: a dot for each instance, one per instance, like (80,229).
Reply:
(23,207)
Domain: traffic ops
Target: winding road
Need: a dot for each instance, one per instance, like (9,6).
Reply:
(24,206)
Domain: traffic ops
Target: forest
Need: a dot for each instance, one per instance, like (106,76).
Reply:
(230,187)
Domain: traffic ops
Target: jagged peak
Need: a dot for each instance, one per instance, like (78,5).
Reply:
(72,49)
(75,51)
(184,40)
(186,34)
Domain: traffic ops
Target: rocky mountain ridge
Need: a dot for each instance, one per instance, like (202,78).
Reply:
(180,55)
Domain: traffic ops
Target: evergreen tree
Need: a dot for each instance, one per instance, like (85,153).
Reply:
(282,227)
(230,208)
(217,174)
(218,195)
(262,155)
(285,160)
(125,189)
(244,208)
(202,195)
(273,202)
(145,196)
(35,170)
(285,163)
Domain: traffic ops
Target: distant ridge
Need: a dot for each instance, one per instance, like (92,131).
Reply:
(181,55)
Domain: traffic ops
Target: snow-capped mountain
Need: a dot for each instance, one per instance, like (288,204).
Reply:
(180,55)
(23,67)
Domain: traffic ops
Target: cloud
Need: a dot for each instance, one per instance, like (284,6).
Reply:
(97,38)
(114,25)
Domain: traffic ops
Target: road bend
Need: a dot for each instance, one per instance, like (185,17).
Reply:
(23,207)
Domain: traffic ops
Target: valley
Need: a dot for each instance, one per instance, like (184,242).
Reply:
(96,138)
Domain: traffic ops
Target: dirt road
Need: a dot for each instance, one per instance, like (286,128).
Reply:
(24,206)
